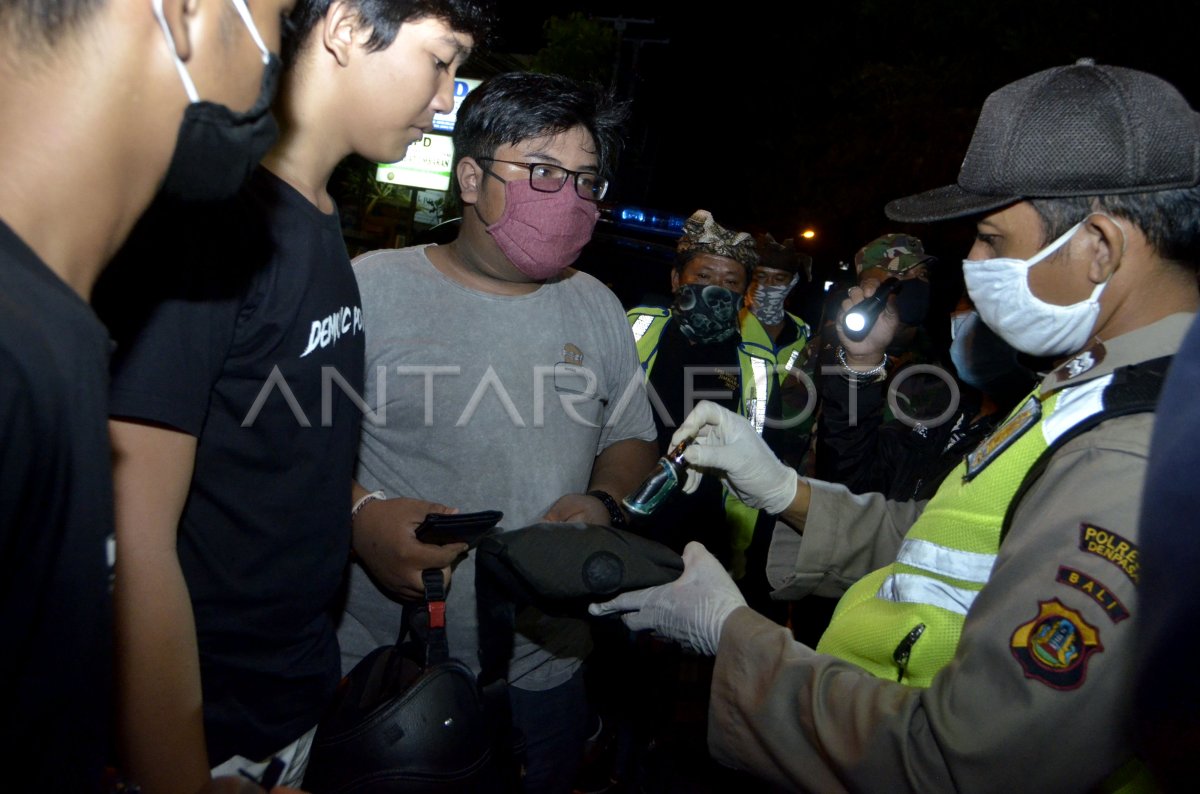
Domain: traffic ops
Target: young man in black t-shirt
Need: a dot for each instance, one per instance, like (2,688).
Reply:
(234,415)
(68,99)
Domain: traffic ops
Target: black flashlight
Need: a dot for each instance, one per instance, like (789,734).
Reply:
(861,317)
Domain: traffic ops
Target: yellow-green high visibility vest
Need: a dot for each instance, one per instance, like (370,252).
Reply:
(903,622)
(787,358)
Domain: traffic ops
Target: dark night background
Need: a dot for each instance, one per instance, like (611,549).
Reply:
(779,116)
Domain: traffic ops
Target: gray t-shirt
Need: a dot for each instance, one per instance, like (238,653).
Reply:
(487,402)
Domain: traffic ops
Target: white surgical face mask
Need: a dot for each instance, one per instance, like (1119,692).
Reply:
(1000,291)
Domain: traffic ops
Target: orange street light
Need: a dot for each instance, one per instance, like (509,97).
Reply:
(808,234)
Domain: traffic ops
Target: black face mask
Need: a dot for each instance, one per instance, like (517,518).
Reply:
(912,301)
(218,149)
(706,313)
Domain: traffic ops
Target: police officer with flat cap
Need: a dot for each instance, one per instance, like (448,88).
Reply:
(985,635)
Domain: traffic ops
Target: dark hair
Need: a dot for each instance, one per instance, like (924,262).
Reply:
(1170,219)
(384,18)
(684,257)
(44,21)
(518,106)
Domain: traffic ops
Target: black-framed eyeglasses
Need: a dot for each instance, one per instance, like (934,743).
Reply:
(546,178)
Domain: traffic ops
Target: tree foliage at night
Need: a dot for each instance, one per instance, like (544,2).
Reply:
(578,47)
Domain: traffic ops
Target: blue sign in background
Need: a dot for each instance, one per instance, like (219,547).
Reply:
(444,122)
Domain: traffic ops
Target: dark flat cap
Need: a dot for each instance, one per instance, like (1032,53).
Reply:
(1080,130)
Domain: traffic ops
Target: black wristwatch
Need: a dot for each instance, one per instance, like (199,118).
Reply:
(615,516)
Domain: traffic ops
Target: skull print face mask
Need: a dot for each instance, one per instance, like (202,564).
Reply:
(706,313)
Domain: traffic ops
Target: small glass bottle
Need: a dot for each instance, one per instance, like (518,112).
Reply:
(666,477)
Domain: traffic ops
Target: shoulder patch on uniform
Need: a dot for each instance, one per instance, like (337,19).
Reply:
(1055,646)
(1092,588)
(1110,546)
(1085,361)
(1003,437)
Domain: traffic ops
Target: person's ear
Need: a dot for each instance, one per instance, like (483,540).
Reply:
(674,280)
(181,16)
(340,30)
(1105,244)
(470,176)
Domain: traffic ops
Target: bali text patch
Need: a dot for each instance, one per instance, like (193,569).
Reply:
(1098,592)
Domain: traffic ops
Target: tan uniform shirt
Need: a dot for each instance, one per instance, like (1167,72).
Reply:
(1038,696)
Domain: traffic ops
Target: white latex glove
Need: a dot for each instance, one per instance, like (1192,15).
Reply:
(727,444)
(691,610)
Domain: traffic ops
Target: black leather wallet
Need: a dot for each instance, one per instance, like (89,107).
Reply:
(442,528)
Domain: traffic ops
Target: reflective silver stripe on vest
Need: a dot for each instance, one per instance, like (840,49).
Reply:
(791,362)
(640,326)
(910,588)
(967,566)
(758,410)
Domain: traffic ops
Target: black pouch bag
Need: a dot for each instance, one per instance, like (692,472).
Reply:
(559,568)
(563,567)
(407,718)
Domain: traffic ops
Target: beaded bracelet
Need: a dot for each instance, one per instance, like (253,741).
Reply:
(616,517)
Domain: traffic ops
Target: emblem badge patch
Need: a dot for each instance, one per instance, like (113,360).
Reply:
(1080,364)
(1084,361)
(1055,646)
(570,376)
(572,355)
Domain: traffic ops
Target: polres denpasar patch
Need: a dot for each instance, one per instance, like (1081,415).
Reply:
(1108,545)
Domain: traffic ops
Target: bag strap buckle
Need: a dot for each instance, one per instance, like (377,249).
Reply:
(436,648)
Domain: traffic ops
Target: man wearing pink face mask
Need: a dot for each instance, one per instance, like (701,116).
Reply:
(512,384)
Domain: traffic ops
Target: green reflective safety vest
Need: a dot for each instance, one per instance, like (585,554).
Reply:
(788,357)
(903,622)
(758,375)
